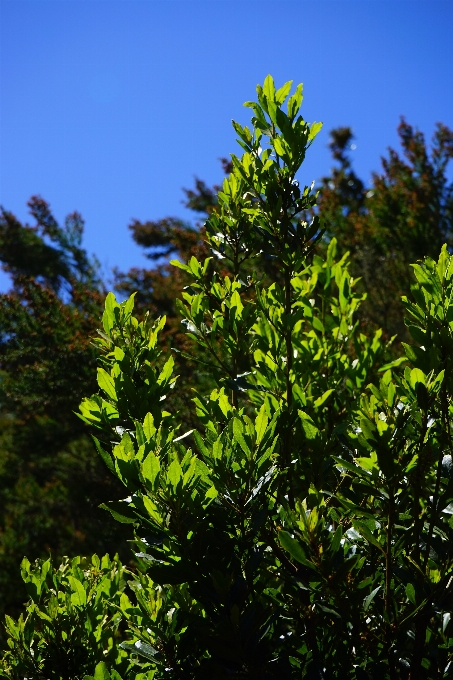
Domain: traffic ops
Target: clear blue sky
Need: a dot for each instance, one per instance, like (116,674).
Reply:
(109,107)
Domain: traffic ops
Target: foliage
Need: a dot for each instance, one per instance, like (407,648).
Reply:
(71,620)
(301,532)
(405,215)
(302,526)
(50,483)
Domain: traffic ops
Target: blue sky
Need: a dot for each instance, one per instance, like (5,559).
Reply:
(109,107)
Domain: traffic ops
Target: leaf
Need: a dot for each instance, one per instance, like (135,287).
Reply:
(417,376)
(129,305)
(314,129)
(283,92)
(145,649)
(101,672)
(369,598)
(392,364)
(108,318)
(328,610)
(295,102)
(261,424)
(278,146)
(269,88)
(321,400)
(148,426)
(236,303)
(174,473)
(180,265)
(106,457)
(346,465)
(365,532)
(120,511)
(239,437)
(410,593)
(105,382)
(151,467)
(42,615)
(336,540)
(294,548)
(79,596)
(166,372)
(308,426)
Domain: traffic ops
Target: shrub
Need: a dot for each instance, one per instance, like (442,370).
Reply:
(71,620)
(303,529)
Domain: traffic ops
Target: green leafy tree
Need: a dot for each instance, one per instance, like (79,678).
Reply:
(302,527)
(404,215)
(226,587)
(50,483)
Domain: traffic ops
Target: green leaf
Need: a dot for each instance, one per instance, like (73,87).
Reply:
(261,424)
(321,400)
(105,382)
(101,672)
(174,473)
(417,376)
(166,372)
(308,426)
(114,675)
(151,468)
(129,305)
(120,511)
(269,88)
(42,615)
(283,92)
(238,430)
(336,540)
(365,532)
(410,593)
(108,318)
(294,548)
(369,598)
(79,596)
(180,265)
(314,129)
(148,426)
(106,457)
(294,102)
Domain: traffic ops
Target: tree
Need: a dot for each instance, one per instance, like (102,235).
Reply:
(302,531)
(50,482)
(406,214)
(303,528)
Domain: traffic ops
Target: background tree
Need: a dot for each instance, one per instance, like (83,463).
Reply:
(51,484)
(406,214)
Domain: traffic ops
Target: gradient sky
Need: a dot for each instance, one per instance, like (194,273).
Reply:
(109,107)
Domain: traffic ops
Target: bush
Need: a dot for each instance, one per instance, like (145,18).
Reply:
(303,529)
(71,621)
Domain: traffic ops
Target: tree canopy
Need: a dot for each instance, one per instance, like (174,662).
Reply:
(52,484)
